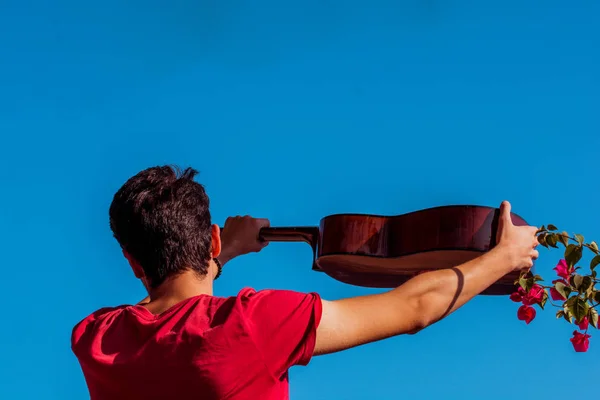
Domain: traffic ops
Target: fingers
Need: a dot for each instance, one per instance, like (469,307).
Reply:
(505,208)
(263,222)
(535,254)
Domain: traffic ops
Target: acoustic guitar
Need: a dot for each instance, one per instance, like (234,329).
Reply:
(385,251)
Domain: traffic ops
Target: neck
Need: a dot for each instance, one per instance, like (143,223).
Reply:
(183,286)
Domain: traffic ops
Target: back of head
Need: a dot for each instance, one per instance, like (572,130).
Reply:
(161,218)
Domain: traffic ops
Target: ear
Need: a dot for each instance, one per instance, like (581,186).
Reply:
(138,271)
(215,241)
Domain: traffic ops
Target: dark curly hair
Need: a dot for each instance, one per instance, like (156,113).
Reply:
(161,218)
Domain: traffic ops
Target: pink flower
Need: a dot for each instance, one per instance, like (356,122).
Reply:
(526,313)
(563,270)
(554,293)
(583,325)
(581,341)
(535,295)
(517,296)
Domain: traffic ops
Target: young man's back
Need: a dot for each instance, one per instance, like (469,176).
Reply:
(184,343)
(202,347)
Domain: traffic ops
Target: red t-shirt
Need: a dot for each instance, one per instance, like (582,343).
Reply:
(204,347)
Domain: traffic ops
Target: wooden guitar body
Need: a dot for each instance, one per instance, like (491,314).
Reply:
(386,251)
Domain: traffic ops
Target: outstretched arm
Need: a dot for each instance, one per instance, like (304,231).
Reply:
(418,303)
(426,298)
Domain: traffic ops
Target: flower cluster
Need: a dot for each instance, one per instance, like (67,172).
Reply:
(576,293)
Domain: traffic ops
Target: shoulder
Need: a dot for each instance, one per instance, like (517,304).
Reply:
(251,293)
(274,307)
(88,323)
(249,297)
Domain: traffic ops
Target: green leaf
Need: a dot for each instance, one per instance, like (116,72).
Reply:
(579,238)
(526,283)
(594,247)
(544,300)
(552,239)
(567,314)
(597,297)
(576,281)
(573,254)
(594,274)
(552,227)
(560,314)
(593,317)
(530,282)
(564,238)
(578,308)
(595,261)
(568,291)
(537,278)
(523,283)
(522,275)
(542,239)
(542,229)
(562,289)
(586,284)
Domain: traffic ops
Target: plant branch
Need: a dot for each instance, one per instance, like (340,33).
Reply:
(595,251)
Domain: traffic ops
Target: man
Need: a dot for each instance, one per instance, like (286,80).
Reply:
(182,342)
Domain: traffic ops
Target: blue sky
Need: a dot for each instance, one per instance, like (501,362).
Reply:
(293,111)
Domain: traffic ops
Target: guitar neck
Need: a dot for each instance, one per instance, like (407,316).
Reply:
(308,234)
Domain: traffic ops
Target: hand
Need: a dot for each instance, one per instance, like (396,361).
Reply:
(519,242)
(240,236)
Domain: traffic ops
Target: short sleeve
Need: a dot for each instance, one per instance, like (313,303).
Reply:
(283,325)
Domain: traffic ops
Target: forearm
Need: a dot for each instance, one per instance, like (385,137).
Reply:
(437,294)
